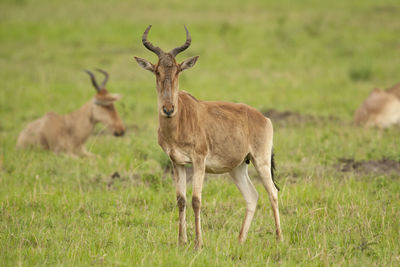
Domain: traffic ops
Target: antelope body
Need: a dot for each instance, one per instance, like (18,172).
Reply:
(68,133)
(380,109)
(215,137)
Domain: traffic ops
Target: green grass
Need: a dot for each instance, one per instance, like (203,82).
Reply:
(311,57)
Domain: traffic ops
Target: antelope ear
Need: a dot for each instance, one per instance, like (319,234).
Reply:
(107,99)
(188,63)
(145,64)
(115,97)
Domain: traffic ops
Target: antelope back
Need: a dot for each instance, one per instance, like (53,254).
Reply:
(381,108)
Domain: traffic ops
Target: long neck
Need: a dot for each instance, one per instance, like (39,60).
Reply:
(169,127)
(184,120)
(80,123)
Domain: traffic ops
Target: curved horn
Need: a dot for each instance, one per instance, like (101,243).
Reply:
(96,86)
(149,45)
(103,84)
(179,49)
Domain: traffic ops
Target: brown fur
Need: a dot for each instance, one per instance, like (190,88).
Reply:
(380,109)
(222,131)
(68,133)
(214,137)
(395,90)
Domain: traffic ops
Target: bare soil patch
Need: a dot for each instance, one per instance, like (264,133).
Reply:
(291,117)
(382,166)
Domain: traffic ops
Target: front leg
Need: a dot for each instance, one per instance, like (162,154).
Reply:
(198,178)
(83,152)
(180,184)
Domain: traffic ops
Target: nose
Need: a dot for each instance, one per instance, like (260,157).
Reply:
(168,109)
(120,132)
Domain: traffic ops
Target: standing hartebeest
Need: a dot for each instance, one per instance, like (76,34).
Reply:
(215,137)
(68,133)
(381,108)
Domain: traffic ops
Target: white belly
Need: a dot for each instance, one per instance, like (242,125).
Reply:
(212,164)
(221,165)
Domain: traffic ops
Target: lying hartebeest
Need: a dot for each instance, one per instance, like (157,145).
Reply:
(68,133)
(215,137)
(380,109)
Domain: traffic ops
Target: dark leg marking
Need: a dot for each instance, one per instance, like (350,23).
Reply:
(196,203)
(181,203)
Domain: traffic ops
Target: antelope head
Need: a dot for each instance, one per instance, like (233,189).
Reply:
(167,73)
(103,108)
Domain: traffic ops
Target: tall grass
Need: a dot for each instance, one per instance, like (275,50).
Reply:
(310,57)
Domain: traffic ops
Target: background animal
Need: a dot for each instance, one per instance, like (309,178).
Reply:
(68,133)
(215,137)
(380,109)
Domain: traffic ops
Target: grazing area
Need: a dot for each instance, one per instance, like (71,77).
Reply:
(307,65)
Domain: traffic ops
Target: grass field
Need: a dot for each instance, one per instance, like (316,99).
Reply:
(313,58)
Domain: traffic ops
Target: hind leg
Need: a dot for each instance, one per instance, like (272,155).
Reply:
(263,167)
(243,183)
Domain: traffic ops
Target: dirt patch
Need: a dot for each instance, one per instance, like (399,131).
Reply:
(382,166)
(291,117)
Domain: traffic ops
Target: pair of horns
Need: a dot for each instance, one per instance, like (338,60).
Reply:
(158,51)
(103,84)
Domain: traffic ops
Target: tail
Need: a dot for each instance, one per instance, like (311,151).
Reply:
(273,169)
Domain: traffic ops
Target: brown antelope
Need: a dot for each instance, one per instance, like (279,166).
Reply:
(380,109)
(215,137)
(68,133)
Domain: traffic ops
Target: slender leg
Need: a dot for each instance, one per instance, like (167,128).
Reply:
(180,184)
(241,178)
(198,178)
(83,152)
(264,170)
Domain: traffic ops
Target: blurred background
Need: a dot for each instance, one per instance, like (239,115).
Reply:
(315,59)
(309,56)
